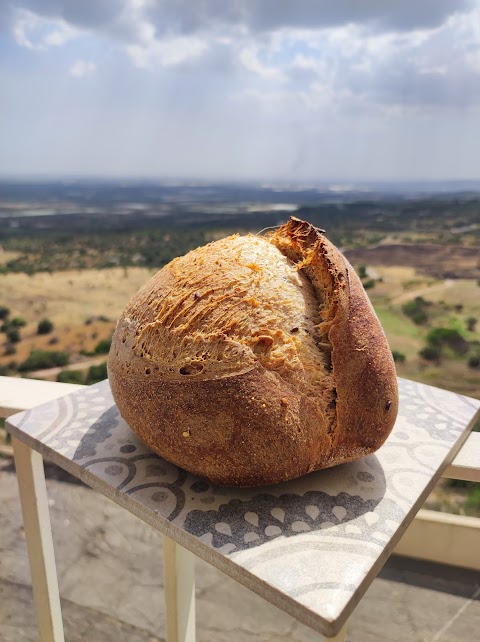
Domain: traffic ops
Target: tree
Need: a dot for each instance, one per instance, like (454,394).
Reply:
(10,349)
(40,359)
(13,335)
(398,357)
(103,346)
(471,324)
(416,310)
(474,361)
(44,326)
(430,353)
(97,373)
(70,376)
(450,337)
(4,312)
(18,322)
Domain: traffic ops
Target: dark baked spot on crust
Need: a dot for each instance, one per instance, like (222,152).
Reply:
(388,405)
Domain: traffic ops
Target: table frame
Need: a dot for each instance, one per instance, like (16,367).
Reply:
(179,564)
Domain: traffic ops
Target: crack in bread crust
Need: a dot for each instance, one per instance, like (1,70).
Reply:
(303,244)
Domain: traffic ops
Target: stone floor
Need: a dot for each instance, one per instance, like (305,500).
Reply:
(110,574)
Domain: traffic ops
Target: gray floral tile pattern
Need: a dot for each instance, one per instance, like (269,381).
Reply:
(310,545)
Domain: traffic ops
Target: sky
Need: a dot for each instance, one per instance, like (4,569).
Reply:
(300,90)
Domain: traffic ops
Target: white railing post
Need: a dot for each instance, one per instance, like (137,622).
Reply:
(179,570)
(38,533)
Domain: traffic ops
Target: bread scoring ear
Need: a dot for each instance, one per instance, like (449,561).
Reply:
(365,393)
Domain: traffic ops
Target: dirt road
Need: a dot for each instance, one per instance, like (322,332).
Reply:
(412,294)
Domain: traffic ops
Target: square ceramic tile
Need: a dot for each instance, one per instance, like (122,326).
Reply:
(311,546)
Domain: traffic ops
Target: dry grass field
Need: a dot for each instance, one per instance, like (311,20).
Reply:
(83,306)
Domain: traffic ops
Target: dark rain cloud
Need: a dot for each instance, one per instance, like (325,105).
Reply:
(85,14)
(188,16)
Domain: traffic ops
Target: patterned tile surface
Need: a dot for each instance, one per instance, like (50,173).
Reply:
(312,545)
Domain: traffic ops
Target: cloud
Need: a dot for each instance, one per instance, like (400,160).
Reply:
(86,14)
(185,16)
(35,32)
(396,53)
(300,86)
(81,68)
(166,53)
(124,18)
(250,60)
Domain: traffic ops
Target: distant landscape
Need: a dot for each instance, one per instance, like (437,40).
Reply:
(72,254)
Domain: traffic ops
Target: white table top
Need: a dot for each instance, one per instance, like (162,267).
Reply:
(311,546)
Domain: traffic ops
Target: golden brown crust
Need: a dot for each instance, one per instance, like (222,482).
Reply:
(247,430)
(234,393)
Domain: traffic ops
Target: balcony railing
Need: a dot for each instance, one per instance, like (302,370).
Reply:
(433,536)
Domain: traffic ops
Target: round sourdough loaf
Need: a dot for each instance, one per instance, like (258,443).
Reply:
(255,359)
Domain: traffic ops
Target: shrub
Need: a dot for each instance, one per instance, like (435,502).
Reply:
(430,353)
(13,335)
(97,373)
(398,357)
(10,349)
(474,362)
(449,337)
(44,326)
(369,284)
(416,310)
(4,312)
(420,317)
(471,323)
(18,322)
(103,346)
(40,359)
(362,271)
(70,376)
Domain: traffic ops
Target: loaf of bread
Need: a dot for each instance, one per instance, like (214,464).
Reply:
(255,359)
